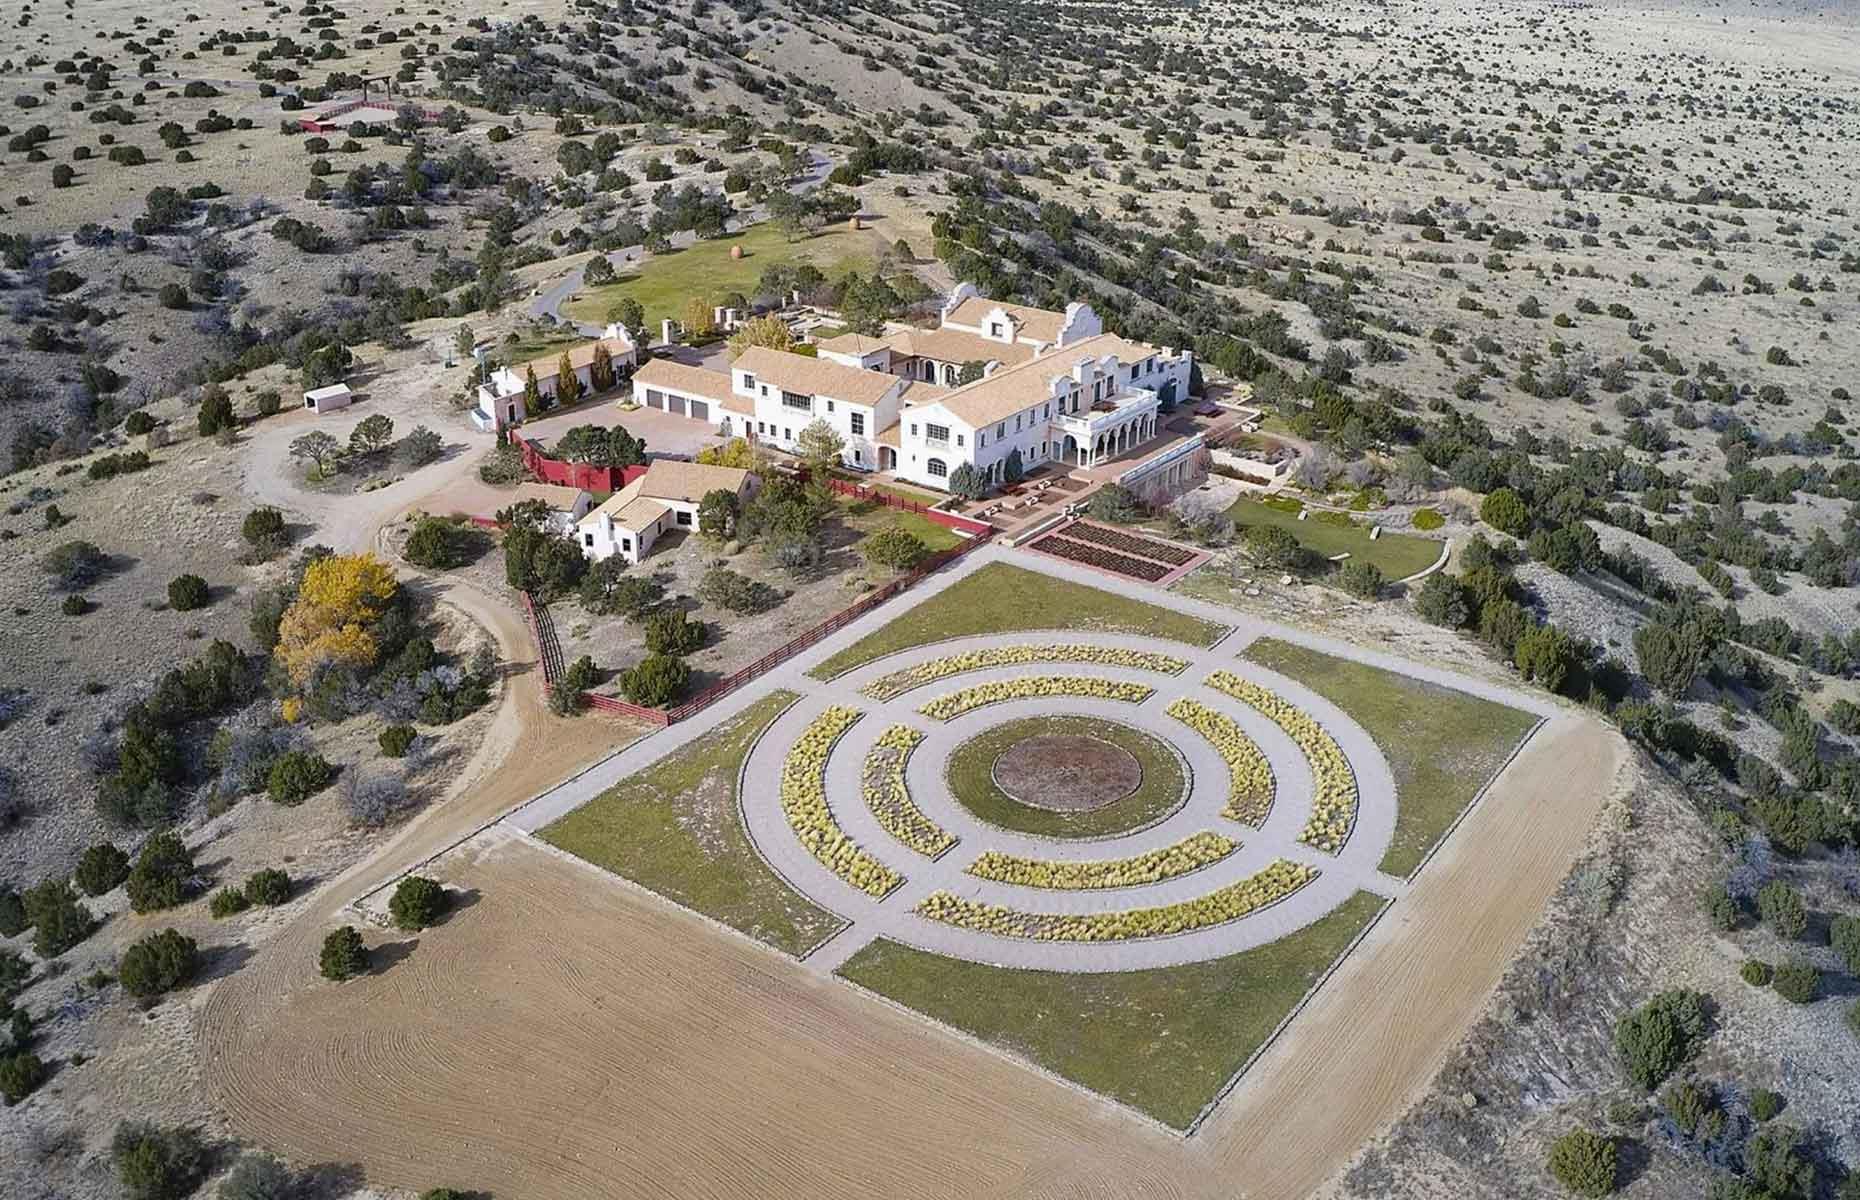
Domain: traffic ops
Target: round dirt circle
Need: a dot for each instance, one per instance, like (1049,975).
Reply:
(1065,772)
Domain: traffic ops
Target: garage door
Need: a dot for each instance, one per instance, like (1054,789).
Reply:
(655,399)
(675,404)
(700,410)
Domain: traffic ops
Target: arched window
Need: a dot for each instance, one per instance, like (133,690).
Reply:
(936,468)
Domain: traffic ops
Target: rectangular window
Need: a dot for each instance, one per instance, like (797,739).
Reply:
(749,381)
(626,544)
(858,423)
(959,439)
(829,406)
(797,400)
(913,429)
(587,539)
(937,433)
(684,518)
(1001,429)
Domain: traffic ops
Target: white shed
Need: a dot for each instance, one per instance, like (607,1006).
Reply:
(328,399)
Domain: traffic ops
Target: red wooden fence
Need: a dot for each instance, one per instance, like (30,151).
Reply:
(892,500)
(586,476)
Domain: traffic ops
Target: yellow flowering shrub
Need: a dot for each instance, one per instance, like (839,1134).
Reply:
(1250,782)
(899,682)
(1190,854)
(1273,883)
(804,803)
(1333,806)
(945,708)
(889,799)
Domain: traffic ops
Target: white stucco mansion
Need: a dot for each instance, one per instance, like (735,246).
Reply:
(1052,385)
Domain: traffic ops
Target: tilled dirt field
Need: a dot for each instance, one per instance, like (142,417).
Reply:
(562,1035)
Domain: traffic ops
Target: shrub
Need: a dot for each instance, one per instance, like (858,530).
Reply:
(1361,579)
(138,423)
(1427,519)
(656,681)
(1719,907)
(15,973)
(1782,909)
(1505,511)
(420,447)
(1687,1105)
(73,565)
(21,1073)
(187,592)
(1797,982)
(58,921)
(1273,548)
(13,918)
(1584,1162)
(736,591)
(395,740)
(1655,1038)
(894,547)
(263,526)
(74,606)
(270,887)
(344,956)
(435,544)
(297,776)
(170,295)
(1756,973)
(1765,1104)
(155,1163)
(162,872)
(158,963)
(1113,503)
(1844,936)
(257,1176)
(673,632)
(418,902)
(216,411)
(228,902)
(101,868)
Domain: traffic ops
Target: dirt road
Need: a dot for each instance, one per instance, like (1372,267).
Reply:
(561,1036)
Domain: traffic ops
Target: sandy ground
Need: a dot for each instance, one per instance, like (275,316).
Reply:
(561,1036)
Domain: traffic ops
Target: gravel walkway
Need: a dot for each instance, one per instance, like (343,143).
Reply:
(1339,876)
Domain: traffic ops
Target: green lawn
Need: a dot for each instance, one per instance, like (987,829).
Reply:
(535,342)
(869,516)
(673,827)
(1004,599)
(1162,1041)
(666,281)
(890,489)
(971,780)
(1442,745)
(1397,555)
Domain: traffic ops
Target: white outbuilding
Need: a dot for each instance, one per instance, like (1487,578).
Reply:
(328,399)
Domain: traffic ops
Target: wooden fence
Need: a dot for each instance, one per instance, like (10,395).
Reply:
(961,524)
(542,628)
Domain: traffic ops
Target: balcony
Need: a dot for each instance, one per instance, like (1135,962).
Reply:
(1107,414)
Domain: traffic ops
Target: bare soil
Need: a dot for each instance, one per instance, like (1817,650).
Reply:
(1067,772)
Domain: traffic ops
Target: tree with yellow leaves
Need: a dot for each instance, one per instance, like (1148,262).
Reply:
(698,319)
(341,596)
(769,332)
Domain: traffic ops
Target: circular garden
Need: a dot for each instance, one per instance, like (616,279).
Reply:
(1067,776)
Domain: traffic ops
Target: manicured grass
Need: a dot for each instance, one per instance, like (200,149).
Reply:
(536,343)
(1000,598)
(666,281)
(869,516)
(674,828)
(971,781)
(1397,555)
(890,489)
(1163,1041)
(1442,745)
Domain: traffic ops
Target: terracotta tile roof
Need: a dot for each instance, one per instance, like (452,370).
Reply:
(1011,389)
(853,343)
(1040,324)
(579,356)
(815,377)
(958,346)
(680,377)
(689,482)
(555,495)
(917,391)
(628,509)
(888,436)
